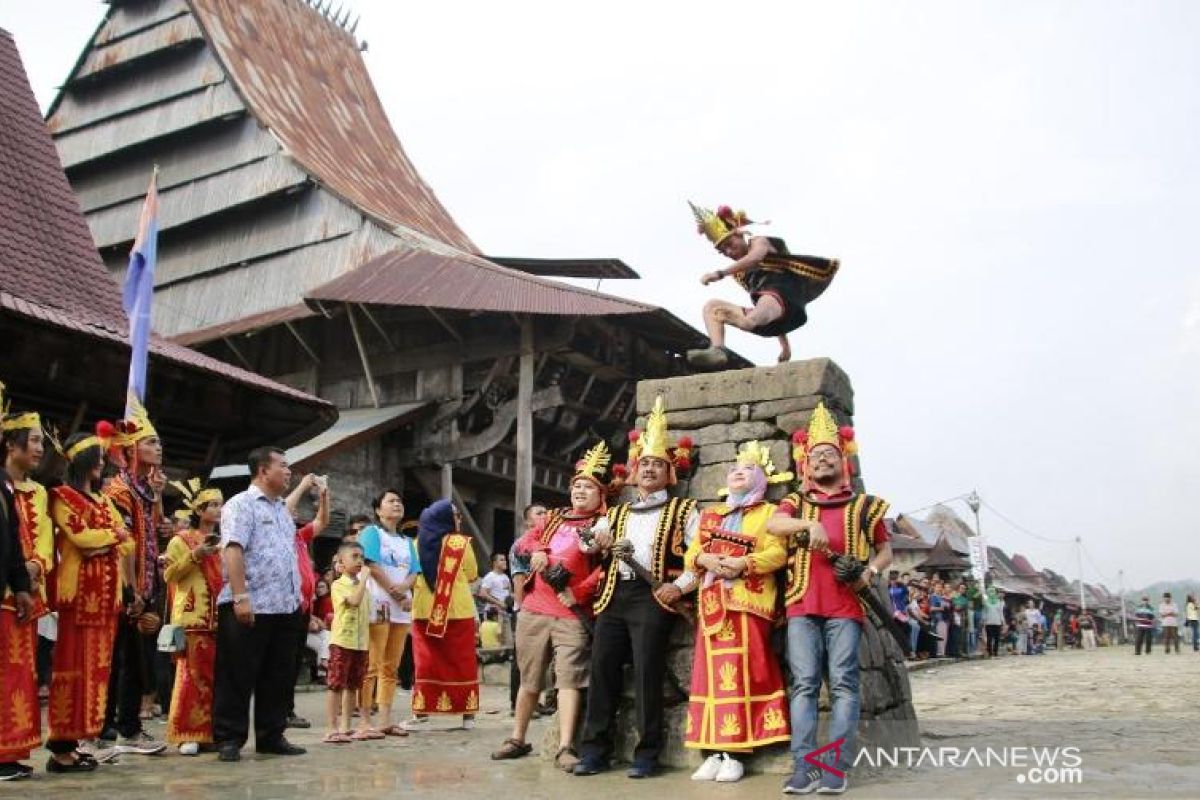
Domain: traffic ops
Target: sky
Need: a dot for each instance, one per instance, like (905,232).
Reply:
(1009,188)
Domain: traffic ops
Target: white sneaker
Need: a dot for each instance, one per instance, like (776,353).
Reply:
(709,769)
(731,771)
(189,748)
(468,723)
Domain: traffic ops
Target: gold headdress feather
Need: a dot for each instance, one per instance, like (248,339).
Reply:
(594,463)
(195,496)
(655,442)
(719,225)
(30,420)
(756,454)
(136,426)
(823,430)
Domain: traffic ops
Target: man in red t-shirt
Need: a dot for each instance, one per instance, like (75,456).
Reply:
(824,520)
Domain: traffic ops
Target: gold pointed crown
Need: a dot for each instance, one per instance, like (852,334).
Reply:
(823,429)
(655,441)
(717,226)
(195,494)
(9,421)
(136,426)
(594,464)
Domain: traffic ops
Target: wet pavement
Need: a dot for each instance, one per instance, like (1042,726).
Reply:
(1133,720)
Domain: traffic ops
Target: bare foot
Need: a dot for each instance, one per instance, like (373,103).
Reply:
(785,350)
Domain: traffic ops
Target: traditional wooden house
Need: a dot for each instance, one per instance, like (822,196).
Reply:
(298,238)
(64,333)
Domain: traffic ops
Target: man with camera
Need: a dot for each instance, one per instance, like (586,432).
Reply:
(555,610)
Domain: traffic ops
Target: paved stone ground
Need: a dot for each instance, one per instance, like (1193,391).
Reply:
(1134,720)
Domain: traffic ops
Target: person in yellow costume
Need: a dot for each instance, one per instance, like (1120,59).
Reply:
(21,442)
(738,701)
(193,573)
(446,680)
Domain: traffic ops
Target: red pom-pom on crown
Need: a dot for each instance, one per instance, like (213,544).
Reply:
(724,212)
(683,463)
(619,471)
(800,437)
(847,433)
(634,436)
(105,429)
(685,443)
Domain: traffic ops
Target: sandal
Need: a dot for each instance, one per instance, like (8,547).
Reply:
(394,730)
(566,758)
(366,735)
(512,748)
(336,737)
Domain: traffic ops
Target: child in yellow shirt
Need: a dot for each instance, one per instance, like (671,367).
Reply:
(348,643)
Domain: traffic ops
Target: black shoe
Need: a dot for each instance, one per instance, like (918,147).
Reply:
(12,771)
(110,734)
(642,769)
(589,765)
(294,721)
(81,765)
(229,752)
(280,747)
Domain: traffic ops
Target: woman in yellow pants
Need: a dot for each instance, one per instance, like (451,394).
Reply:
(393,564)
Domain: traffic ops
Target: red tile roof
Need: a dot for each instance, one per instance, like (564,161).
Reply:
(49,268)
(302,76)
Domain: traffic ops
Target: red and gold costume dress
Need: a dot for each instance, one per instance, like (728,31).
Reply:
(446,671)
(20,715)
(88,601)
(738,701)
(194,587)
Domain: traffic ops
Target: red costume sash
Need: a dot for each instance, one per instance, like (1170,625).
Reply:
(450,562)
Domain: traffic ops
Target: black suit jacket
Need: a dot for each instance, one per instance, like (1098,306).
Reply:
(13,574)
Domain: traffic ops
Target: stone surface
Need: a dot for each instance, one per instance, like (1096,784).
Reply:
(818,376)
(771,409)
(716,453)
(708,480)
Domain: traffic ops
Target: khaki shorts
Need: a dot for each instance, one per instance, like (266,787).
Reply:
(541,637)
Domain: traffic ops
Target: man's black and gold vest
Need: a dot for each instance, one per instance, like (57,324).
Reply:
(667,550)
(860,514)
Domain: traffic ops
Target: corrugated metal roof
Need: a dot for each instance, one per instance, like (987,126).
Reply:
(424,279)
(49,268)
(302,76)
(353,426)
(593,268)
(245,325)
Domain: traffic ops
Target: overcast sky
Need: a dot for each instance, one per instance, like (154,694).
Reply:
(1011,188)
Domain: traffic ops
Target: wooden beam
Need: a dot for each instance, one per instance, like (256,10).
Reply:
(362,354)
(237,352)
(77,420)
(378,328)
(442,321)
(524,476)
(300,340)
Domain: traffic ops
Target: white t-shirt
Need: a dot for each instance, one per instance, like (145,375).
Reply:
(1033,617)
(395,554)
(497,584)
(1169,614)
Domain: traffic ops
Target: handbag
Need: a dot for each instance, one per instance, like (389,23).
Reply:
(171,639)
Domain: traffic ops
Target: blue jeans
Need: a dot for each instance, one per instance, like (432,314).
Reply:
(813,643)
(914,635)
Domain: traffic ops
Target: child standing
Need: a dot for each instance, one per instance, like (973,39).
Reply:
(348,644)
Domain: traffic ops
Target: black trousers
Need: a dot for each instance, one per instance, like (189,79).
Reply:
(258,660)
(300,620)
(993,639)
(128,679)
(1144,635)
(633,628)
